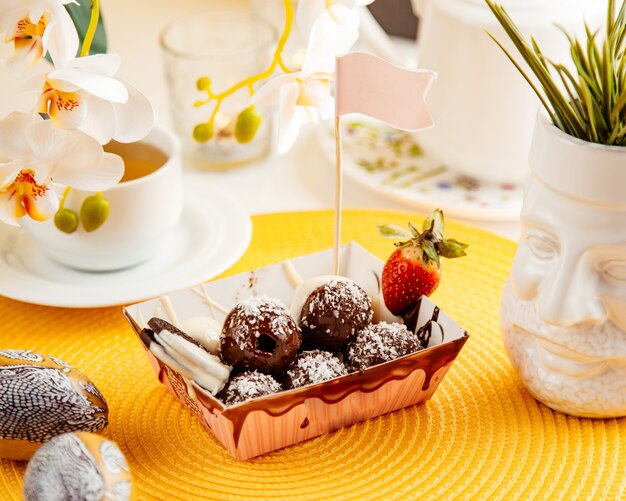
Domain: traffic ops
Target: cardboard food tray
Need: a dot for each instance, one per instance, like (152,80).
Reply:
(269,423)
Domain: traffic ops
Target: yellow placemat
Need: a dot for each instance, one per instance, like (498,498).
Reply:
(482,436)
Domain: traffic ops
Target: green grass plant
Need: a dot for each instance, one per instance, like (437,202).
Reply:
(590,102)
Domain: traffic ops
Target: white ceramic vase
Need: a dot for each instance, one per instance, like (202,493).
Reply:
(563,315)
(143,214)
(484,110)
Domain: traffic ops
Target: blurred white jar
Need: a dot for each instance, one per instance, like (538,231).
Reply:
(483,108)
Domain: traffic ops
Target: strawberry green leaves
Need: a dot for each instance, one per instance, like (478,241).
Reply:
(413,269)
(393,231)
(450,248)
(430,240)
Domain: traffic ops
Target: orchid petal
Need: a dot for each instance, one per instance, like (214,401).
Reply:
(34,83)
(68,110)
(341,16)
(92,177)
(9,17)
(10,208)
(27,52)
(133,119)
(307,13)
(269,93)
(101,86)
(25,196)
(317,93)
(103,64)
(13,142)
(290,117)
(100,121)
(61,149)
(36,10)
(45,38)
(11,11)
(328,40)
(41,207)
(62,43)
(8,173)
(62,86)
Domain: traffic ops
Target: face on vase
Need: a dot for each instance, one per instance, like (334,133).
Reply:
(569,286)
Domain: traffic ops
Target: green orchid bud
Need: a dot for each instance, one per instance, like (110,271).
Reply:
(203,132)
(66,220)
(248,122)
(94,212)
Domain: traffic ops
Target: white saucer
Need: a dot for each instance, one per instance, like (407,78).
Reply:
(213,233)
(391,163)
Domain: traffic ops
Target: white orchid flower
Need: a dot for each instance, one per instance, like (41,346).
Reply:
(84,94)
(331,23)
(36,154)
(302,96)
(36,27)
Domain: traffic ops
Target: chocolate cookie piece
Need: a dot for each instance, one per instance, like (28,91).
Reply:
(183,354)
(333,314)
(248,385)
(158,324)
(259,334)
(312,367)
(379,343)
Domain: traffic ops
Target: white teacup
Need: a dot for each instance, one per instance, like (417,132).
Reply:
(144,211)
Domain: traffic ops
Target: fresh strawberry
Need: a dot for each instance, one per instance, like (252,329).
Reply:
(414,268)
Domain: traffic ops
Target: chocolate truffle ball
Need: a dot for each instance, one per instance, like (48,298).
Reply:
(333,314)
(248,385)
(379,343)
(259,334)
(312,367)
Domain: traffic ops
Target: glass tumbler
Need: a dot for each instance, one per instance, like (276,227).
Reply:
(226,47)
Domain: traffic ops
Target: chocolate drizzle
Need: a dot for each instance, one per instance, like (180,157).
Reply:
(411,316)
(425,332)
(335,390)
(435,316)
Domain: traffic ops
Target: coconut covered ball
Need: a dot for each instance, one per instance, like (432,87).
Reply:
(312,367)
(248,385)
(379,343)
(333,314)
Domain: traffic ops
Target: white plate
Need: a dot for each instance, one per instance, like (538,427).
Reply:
(213,233)
(391,163)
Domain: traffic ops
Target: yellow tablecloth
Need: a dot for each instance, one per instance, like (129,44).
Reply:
(481,436)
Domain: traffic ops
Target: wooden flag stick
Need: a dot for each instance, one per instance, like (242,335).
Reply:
(338,192)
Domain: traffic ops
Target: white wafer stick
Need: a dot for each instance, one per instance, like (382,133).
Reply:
(169,309)
(196,356)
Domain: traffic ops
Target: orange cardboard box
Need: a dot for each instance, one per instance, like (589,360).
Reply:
(269,423)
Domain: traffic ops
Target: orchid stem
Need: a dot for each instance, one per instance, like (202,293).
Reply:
(248,82)
(66,192)
(91,29)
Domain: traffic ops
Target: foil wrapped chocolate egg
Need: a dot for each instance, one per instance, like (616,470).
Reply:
(77,466)
(42,397)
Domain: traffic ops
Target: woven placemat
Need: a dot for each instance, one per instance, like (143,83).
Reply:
(481,436)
